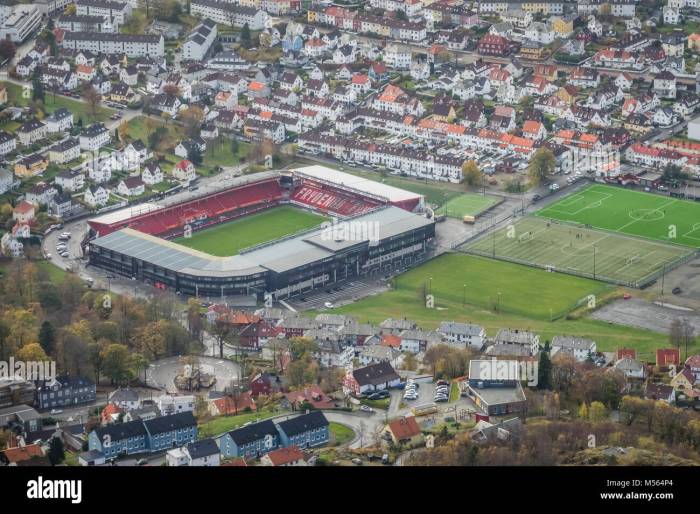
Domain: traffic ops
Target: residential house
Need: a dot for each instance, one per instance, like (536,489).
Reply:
(370,378)
(131,186)
(404,430)
(96,196)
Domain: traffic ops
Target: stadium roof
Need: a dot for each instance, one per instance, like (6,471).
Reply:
(278,256)
(391,193)
(126,213)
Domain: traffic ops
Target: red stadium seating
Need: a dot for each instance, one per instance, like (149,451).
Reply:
(332,200)
(233,203)
(171,220)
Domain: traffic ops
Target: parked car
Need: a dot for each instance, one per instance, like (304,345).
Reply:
(366,408)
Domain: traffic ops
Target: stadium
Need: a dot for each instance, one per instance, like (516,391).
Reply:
(140,242)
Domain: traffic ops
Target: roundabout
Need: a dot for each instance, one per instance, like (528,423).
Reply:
(161,374)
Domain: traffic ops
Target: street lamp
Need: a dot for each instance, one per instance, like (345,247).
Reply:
(464,295)
(498,304)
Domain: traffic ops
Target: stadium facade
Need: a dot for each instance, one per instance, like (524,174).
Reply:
(374,229)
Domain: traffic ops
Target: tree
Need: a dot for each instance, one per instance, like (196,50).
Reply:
(471,173)
(301,346)
(32,352)
(92,97)
(37,86)
(245,37)
(122,131)
(151,339)
(195,326)
(7,49)
(583,411)
(172,90)
(194,154)
(597,411)
(47,337)
(544,370)
(541,166)
(192,119)
(57,453)
(96,358)
(116,363)
(222,330)
(137,363)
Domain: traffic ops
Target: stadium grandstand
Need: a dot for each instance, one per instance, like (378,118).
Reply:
(314,187)
(388,231)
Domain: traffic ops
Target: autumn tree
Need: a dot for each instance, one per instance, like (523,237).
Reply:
(541,166)
(151,339)
(92,98)
(32,352)
(172,90)
(192,119)
(116,363)
(471,173)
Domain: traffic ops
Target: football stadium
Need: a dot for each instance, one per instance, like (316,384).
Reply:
(321,226)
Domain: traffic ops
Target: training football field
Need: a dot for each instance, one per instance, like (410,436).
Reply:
(231,237)
(578,250)
(631,212)
(467,204)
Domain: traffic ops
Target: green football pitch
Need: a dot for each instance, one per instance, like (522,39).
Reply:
(231,237)
(577,250)
(468,204)
(631,212)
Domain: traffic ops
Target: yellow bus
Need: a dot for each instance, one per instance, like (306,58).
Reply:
(469,219)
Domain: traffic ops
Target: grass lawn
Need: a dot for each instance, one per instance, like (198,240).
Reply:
(641,214)
(137,128)
(229,238)
(222,424)
(467,204)
(445,278)
(222,155)
(78,108)
(405,302)
(569,248)
(216,154)
(340,433)
(454,392)
(377,404)
(55,274)
(71,459)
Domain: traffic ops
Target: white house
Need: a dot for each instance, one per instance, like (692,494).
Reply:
(152,174)
(96,196)
(397,56)
(175,404)
(184,171)
(70,180)
(131,186)
(8,143)
(580,348)
(198,453)
(463,334)
(31,132)
(60,120)
(94,137)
